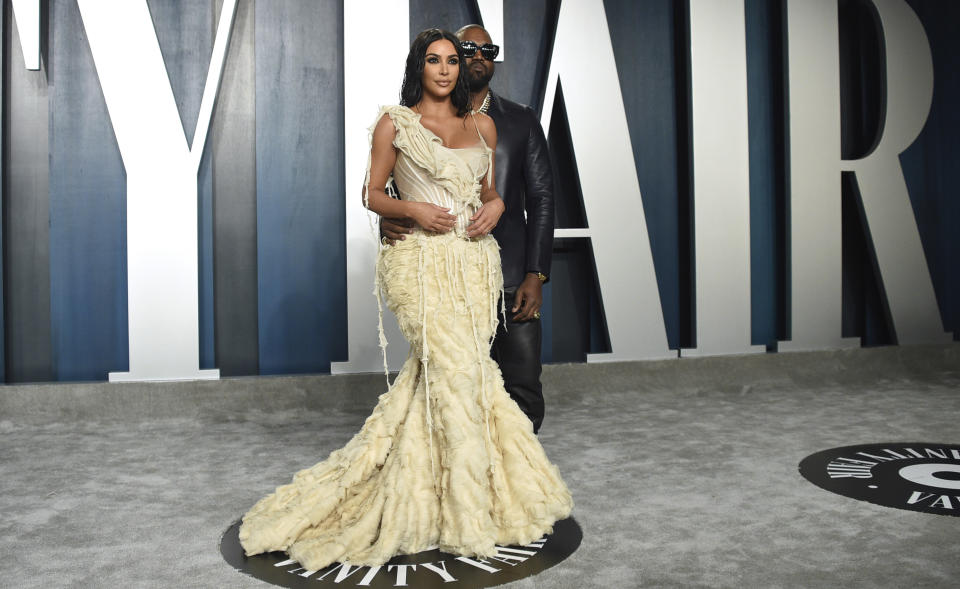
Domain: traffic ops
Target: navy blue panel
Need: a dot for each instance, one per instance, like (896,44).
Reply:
(571,283)
(767,121)
(865,311)
(579,326)
(232,138)
(26,216)
(185,31)
(546,324)
(529,28)
(932,164)
(3,53)
(88,273)
(566,322)
(441,14)
(300,188)
(568,194)
(643,36)
(205,268)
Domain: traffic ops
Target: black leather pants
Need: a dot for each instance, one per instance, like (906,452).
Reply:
(517,350)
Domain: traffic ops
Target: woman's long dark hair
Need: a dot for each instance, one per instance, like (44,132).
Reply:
(412,90)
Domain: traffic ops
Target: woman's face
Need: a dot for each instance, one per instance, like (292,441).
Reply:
(440,69)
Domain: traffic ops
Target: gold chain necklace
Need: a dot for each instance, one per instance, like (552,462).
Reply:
(486,104)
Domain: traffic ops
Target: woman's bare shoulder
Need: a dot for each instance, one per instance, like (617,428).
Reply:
(385,130)
(487,127)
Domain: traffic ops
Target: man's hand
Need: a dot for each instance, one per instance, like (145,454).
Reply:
(529,297)
(486,217)
(395,230)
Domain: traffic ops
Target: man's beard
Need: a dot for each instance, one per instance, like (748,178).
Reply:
(476,80)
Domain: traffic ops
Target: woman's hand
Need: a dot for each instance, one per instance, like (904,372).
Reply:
(486,217)
(432,217)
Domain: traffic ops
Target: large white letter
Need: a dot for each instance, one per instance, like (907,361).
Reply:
(721,177)
(583,61)
(491,12)
(883,189)
(365,90)
(814,98)
(816,167)
(27,13)
(161,184)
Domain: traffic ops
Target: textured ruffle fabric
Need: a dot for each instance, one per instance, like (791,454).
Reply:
(446,459)
(446,167)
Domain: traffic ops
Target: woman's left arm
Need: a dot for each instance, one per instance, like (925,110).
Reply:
(487,216)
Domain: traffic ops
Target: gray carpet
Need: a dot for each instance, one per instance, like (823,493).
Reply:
(684,472)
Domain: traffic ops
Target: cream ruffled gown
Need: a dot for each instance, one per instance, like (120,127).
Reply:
(461,472)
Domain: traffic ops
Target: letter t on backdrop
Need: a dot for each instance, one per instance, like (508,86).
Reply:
(162,279)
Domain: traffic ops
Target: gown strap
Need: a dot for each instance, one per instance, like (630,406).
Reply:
(473,116)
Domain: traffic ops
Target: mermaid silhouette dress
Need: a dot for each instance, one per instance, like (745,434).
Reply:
(446,459)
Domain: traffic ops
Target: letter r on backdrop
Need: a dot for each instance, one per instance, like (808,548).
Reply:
(815,178)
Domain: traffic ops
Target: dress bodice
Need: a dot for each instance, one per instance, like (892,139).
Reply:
(429,171)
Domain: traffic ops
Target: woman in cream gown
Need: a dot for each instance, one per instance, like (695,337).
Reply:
(447,459)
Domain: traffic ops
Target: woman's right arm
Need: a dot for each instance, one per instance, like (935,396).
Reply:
(383,157)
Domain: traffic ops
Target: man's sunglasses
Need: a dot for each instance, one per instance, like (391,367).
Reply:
(489,51)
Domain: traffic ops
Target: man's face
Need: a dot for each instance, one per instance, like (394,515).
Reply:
(479,70)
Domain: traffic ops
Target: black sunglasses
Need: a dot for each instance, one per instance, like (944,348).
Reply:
(489,51)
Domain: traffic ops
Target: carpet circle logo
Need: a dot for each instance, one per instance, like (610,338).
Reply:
(916,476)
(426,570)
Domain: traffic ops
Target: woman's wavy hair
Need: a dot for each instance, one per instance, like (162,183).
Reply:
(412,90)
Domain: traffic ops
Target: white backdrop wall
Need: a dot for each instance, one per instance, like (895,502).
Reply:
(720,189)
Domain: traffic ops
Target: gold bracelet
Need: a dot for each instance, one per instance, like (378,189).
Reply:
(542,277)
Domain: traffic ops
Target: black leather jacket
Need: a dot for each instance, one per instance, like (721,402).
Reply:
(524,180)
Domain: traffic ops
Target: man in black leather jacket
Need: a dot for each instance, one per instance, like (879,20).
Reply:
(524,180)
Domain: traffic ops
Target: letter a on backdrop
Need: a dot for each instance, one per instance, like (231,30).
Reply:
(582,62)
(161,173)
